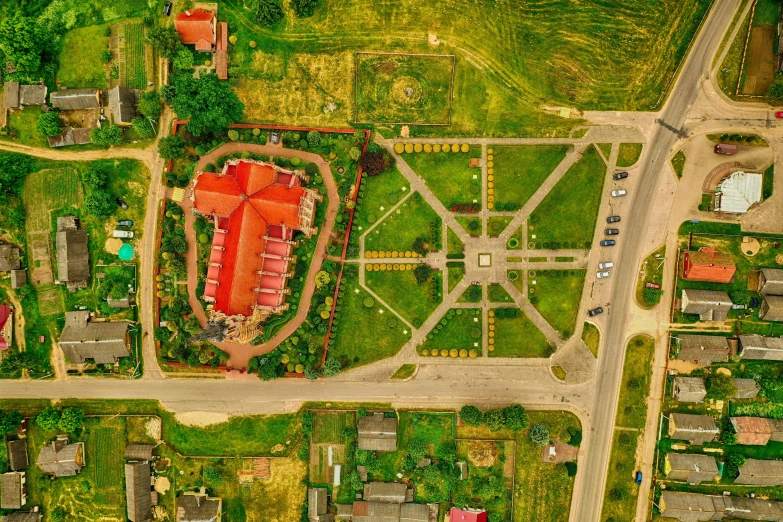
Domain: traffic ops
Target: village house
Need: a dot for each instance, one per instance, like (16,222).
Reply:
(468,515)
(123,102)
(757,431)
(6,327)
(18,96)
(694,507)
(316,505)
(757,347)
(708,264)
(761,473)
(17,454)
(377,432)
(139,452)
(70,136)
(25,516)
(13,490)
(198,507)
(703,349)
(9,258)
(746,388)
(138,491)
(690,468)
(60,458)
(771,281)
(771,308)
(709,305)
(689,389)
(103,342)
(75,99)
(73,261)
(386,501)
(696,428)
(197,27)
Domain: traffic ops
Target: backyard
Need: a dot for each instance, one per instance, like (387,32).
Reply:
(520,171)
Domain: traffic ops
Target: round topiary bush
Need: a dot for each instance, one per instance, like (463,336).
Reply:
(473,354)
(392,322)
(446,147)
(399,148)
(475,333)
(513,275)
(368,302)
(513,243)
(453,352)
(252,44)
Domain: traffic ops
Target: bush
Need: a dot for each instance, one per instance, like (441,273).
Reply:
(471,415)
(304,8)
(516,417)
(495,420)
(539,434)
(617,494)
(49,124)
(571,468)
(268,12)
(71,420)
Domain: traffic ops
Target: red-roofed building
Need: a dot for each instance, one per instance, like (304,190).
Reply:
(197,27)
(467,515)
(221,53)
(708,264)
(6,326)
(256,207)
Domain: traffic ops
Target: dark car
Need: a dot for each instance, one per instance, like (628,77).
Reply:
(608,242)
(613,219)
(619,175)
(122,204)
(167,8)
(611,231)
(125,223)
(754,302)
(595,311)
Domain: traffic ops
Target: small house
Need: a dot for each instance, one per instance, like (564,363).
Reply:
(746,388)
(696,428)
(61,459)
(139,452)
(694,507)
(316,505)
(771,281)
(138,491)
(197,27)
(17,454)
(73,255)
(708,264)
(689,389)
(76,99)
(18,278)
(198,507)
(377,432)
(709,305)
(690,468)
(13,490)
(9,258)
(123,102)
(103,342)
(752,431)
(387,492)
(757,347)
(761,473)
(18,96)
(771,308)
(70,136)
(468,515)
(25,516)
(703,349)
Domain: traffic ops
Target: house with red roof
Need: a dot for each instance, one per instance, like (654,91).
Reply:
(6,327)
(708,264)
(467,515)
(257,208)
(197,27)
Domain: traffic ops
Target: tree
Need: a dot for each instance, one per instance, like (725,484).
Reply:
(213,477)
(106,136)
(728,437)
(448,453)
(495,420)
(13,169)
(71,419)
(373,163)
(539,434)
(106,55)
(304,8)
(208,103)
(149,105)
(269,369)
(471,415)
(313,138)
(322,278)
(721,386)
(171,147)
(9,421)
(118,290)
(417,449)
(23,41)
(420,246)
(143,127)
(95,178)
(516,417)
(99,203)
(162,334)
(740,297)
(737,459)
(331,367)
(422,273)
(269,12)
(193,326)
(183,60)
(49,124)
(58,514)
(775,91)
(165,40)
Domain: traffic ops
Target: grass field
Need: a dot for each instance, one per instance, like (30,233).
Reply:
(454,244)
(449,175)
(497,294)
(400,290)
(404,372)
(520,171)
(378,195)
(472,225)
(455,276)
(605,148)
(632,405)
(497,224)
(678,163)
(132,66)
(23,123)
(399,88)
(414,218)
(567,215)
(519,337)
(651,271)
(81,65)
(597,66)
(728,72)
(459,329)
(629,154)
(592,338)
(471,295)
(621,492)
(47,190)
(556,295)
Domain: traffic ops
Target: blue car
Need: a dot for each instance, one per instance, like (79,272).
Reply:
(638,478)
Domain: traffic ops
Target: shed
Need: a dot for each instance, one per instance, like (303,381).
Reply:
(771,281)
(18,278)
(689,389)
(17,454)
(140,452)
(16,95)
(761,473)
(121,303)
(137,491)
(9,258)
(24,516)
(388,492)
(76,99)
(746,388)
(751,431)
(703,349)
(709,305)
(757,347)
(708,264)
(12,490)
(221,54)
(696,428)
(70,136)
(316,503)
(123,102)
(377,433)
(468,515)
(771,308)
(690,468)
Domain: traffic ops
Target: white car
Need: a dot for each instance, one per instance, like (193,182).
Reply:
(618,193)
(604,266)
(123,234)
(601,275)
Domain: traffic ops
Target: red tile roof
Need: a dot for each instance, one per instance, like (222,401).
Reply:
(708,264)
(221,54)
(752,431)
(459,515)
(196,27)
(5,313)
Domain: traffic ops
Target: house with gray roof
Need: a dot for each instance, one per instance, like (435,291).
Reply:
(61,459)
(377,432)
(703,349)
(771,308)
(9,258)
(771,281)
(694,507)
(746,388)
(389,492)
(18,278)
(13,490)
(761,473)
(689,389)
(316,505)
(70,136)
(364,511)
(17,454)
(198,507)
(123,102)
(17,96)
(73,255)
(140,452)
(24,516)
(76,99)
(758,347)
(138,491)
(103,342)
(690,468)
(709,305)
(696,428)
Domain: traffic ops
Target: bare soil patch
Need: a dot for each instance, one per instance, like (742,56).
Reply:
(201,418)
(483,453)
(760,62)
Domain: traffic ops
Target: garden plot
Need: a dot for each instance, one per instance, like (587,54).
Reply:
(133,68)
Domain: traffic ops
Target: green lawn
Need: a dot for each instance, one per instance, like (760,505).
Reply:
(81,65)
(516,278)
(629,154)
(352,338)
(497,224)
(592,338)
(454,243)
(769,181)
(400,290)
(404,372)
(471,295)
(566,217)
(678,163)
(472,225)
(556,295)
(455,276)
(413,219)
(23,124)
(652,271)
(621,491)
(498,294)
(449,176)
(517,336)
(729,71)
(515,241)
(520,171)
(459,329)
(377,195)
(606,149)
(632,405)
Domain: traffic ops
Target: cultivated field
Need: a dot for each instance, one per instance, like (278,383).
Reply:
(133,69)
(48,190)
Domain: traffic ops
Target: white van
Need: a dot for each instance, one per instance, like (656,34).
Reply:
(123,234)
(604,266)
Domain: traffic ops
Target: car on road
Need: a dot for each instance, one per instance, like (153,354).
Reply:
(602,275)
(595,311)
(779,114)
(167,8)
(611,231)
(613,219)
(125,223)
(475,283)
(618,193)
(638,478)
(654,286)
(123,234)
(619,175)
(605,265)
(608,242)
(122,204)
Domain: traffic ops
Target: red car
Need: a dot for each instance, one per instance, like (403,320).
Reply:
(653,285)
(779,114)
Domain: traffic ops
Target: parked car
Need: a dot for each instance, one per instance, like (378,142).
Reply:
(604,266)
(613,219)
(779,114)
(618,193)
(274,138)
(475,283)
(738,307)
(123,234)
(608,242)
(595,311)
(125,223)
(638,478)
(122,204)
(167,8)
(611,231)
(602,275)
(654,286)
(754,302)
(619,175)
(722,148)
